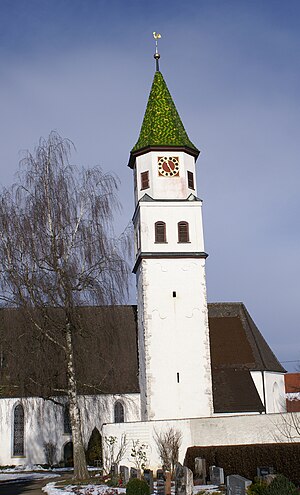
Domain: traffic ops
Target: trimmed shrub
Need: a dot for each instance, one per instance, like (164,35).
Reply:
(244,459)
(257,488)
(135,486)
(281,486)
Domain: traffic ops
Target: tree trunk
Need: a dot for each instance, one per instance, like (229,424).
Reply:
(80,466)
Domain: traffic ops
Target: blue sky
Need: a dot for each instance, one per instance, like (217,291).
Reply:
(85,67)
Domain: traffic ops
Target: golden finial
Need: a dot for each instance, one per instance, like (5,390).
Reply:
(157,37)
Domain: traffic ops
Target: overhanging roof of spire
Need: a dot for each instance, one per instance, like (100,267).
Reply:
(162,126)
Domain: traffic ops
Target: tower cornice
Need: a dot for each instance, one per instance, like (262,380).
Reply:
(170,255)
(146,149)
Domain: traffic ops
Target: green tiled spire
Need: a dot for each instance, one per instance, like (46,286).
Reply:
(162,125)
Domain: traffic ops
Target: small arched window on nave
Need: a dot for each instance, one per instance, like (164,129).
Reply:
(119,412)
(18,431)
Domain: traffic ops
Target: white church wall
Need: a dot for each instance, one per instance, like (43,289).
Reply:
(230,430)
(44,422)
(39,419)
(275,392)
(258,378)
(271,389)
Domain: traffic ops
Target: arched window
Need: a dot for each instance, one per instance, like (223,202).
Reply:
(18,435)
(119,412)
(183,232)
(160,232)
(67,420)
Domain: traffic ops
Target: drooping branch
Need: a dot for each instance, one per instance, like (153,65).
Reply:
(58,253)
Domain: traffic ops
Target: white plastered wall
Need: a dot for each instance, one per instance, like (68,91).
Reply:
(174,339)
(171,214)
(229,430)
(165,187)
(43,422)
(271,388)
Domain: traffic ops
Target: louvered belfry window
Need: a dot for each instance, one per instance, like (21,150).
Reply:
(119,412)
(190,177)
(160,232)
(145,180)
(18,436)
(183,232)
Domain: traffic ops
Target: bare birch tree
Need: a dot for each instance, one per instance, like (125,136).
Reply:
(57,250)
(168,443)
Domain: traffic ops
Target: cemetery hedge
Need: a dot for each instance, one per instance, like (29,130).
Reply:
(244,459)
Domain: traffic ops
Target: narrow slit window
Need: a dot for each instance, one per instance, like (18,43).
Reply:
(190,177)
(183,232)
(160,232)
(145,180)
(177,377)
(174,293)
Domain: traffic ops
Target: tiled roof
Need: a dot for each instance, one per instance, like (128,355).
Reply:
(236,341)
(162,125)
(106,356)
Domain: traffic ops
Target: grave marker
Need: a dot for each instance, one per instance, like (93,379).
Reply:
(124,474)
(184,483)
(148,476)
(200,470)
(216,475)
(237,485)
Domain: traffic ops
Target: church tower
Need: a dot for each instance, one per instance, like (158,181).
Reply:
(173,335)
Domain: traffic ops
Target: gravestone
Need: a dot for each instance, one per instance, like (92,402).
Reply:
(148,476)
(269,478)
(167,483)
(160,482)
(200,470)
(216,475)
(160,474)
(264,471)
(114,470)
(237,485)
(135,473)
(124,474)
(184,483)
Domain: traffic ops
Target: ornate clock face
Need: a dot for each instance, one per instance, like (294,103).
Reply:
(168,166)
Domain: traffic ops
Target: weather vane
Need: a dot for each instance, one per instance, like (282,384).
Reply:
(157,37)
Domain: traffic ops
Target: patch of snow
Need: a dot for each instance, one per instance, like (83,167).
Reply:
(209,489)
(15,477)
(23,468)
(293,396)
(51,489)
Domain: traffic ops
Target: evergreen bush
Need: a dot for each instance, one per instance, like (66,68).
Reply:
(257,488)
(281,486)
(135,486)
(94,449)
